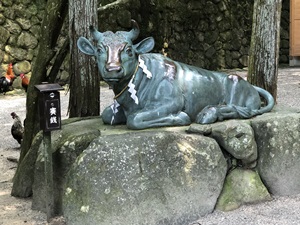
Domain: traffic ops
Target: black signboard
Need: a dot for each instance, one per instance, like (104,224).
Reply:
(49,106)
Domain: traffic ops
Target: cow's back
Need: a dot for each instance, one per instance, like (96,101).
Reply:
(200,88)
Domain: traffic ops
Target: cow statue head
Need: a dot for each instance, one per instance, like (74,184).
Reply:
(116,55)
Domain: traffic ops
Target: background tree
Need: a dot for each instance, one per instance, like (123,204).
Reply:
(55,12)
(84,79)
(50,29)
(264,49)
(84,87)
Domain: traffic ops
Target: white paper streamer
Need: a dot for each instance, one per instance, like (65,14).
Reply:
(133,92)
(131,87)
(114,108)
(145,69)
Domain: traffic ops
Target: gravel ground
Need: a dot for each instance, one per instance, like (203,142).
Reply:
(15,211)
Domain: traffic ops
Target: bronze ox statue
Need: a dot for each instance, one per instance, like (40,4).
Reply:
(152,90)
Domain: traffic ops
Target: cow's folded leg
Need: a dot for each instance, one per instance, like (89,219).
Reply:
(234,111)
(208,115)
(113,117)
(211,114)
(228,112)
(144,120)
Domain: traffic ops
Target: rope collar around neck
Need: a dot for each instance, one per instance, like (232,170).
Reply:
(121,92)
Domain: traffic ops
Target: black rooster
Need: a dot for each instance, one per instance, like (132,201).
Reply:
(17,129)
(4,85)
(7,80)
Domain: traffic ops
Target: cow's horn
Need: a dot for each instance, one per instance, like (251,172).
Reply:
(135,31)
(96,34)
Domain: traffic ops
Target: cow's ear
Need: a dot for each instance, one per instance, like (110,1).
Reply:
(85,46)
(145,45)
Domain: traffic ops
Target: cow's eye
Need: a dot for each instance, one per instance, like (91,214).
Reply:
(100,50)
(129,51)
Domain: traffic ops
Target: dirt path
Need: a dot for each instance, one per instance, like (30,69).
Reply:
(12,210)
(15,211)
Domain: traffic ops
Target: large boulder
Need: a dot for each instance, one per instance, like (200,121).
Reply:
(162,175)
(148,177)
(278,140)
(236,137)
(68,144)
(241,187)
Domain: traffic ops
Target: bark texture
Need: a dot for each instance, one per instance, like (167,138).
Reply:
(55,13)
(264,49)
(84,78)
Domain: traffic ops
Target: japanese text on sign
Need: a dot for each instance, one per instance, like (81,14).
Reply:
(52,115)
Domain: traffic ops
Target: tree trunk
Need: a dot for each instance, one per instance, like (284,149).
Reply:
(50,29)
(264,49)
(59,59)
(84,79)
(55,13)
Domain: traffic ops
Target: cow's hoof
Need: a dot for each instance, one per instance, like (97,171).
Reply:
(207,115)
(182,119)
(108,117)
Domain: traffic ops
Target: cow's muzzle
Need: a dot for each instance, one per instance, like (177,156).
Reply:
(113,74)
(113,67)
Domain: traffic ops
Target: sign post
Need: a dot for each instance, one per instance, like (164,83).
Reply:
(50,119)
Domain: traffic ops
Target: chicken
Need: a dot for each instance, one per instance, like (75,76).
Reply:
(17,129)
(7,80)
(25,81)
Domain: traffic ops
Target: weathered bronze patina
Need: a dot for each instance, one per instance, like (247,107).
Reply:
(152,90)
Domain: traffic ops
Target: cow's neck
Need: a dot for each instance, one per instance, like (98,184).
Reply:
(120,89)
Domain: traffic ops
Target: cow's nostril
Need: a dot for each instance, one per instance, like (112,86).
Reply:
(111,68)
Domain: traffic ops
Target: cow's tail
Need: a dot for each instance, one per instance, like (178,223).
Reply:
(268,97)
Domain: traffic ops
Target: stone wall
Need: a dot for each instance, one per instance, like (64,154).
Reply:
(211,34)
(285,32)
(20,22)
